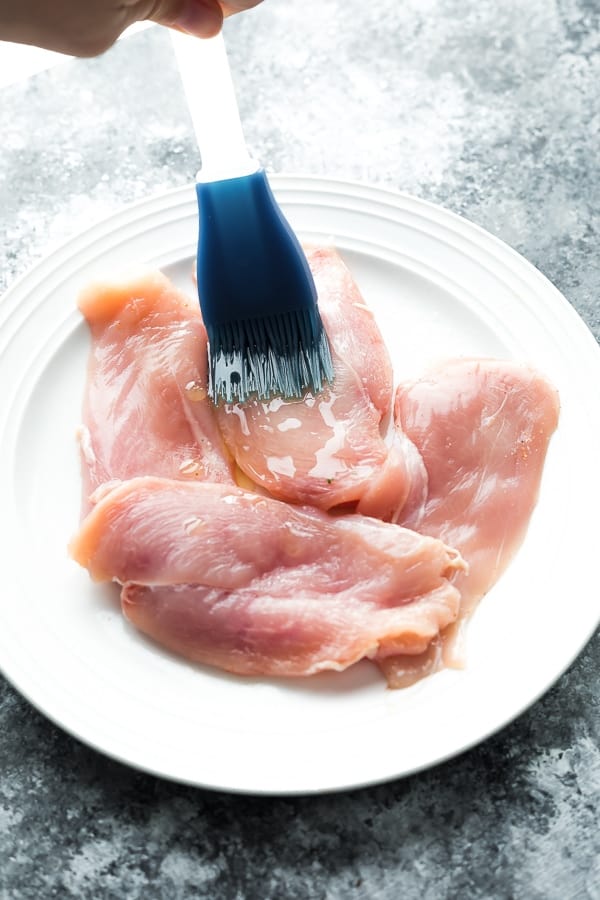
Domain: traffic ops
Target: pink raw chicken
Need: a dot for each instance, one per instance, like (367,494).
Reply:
(146,410)
(482,428)
(255,586)
(329,450)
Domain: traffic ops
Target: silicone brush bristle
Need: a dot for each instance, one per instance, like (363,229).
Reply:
(258,297)
(283,355)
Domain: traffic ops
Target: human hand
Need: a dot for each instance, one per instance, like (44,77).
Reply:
(89,27)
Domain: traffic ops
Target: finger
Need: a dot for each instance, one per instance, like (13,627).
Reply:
(202,18)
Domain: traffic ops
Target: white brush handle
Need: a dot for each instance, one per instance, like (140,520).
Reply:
(210,94)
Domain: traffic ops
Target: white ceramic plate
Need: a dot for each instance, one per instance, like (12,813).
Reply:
(439,286)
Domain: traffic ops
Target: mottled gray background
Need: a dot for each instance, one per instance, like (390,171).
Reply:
(489,108)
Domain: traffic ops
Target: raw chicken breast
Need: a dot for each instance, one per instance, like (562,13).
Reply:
(328,450)
(146,410)
(239,580)
(247,583)
(482,428)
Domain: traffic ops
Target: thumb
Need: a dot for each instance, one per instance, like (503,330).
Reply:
(202,18)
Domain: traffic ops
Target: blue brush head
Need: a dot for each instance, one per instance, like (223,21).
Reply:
(257,296)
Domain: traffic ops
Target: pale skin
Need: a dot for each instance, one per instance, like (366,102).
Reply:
(89,27)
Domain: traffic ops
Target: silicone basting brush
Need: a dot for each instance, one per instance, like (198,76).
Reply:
(256,291)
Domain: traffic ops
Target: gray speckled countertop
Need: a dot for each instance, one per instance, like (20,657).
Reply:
(491,109)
